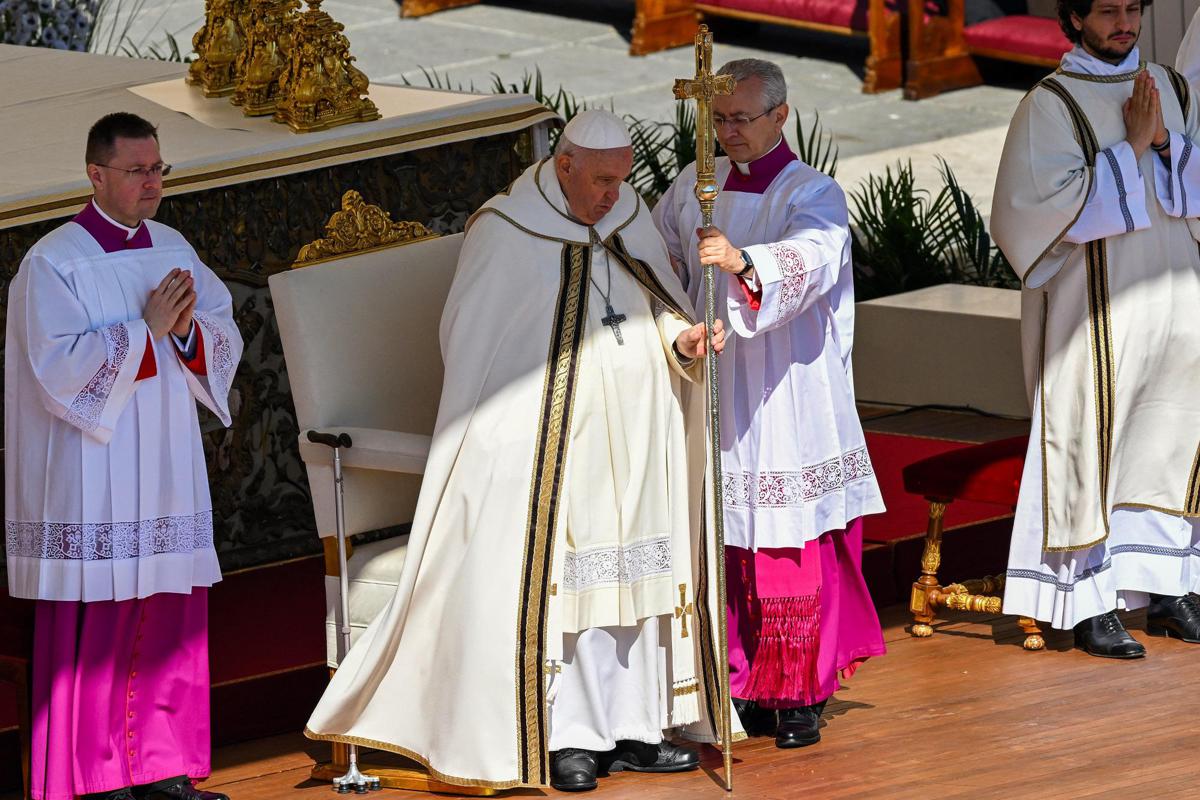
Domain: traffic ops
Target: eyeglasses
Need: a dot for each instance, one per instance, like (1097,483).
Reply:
(145,173)
(738,120)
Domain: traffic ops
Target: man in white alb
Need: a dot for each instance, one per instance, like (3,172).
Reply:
(115,330)
(1095,207)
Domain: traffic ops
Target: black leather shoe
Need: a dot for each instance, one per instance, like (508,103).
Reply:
(1105,636)
(176,789)
(116,794)
(798,727)
(1174,616)
(756,720)
(574,770)
(642,757)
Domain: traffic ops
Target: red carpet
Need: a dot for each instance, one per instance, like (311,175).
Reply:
(907,514)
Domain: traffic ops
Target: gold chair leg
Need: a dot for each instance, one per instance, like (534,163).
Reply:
(1033,634)
(927,585)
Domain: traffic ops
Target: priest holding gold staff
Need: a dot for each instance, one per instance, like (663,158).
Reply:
(797,476)
(553,616)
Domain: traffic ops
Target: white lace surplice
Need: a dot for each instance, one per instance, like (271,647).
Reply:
(106,485)
(794,455)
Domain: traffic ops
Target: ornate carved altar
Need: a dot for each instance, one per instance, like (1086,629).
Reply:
(248,198)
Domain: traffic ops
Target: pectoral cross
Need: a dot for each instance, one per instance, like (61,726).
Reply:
(683,609)
(613,320)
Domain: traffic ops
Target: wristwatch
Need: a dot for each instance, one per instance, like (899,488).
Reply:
(749,264)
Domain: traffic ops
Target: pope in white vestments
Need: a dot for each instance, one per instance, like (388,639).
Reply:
(1095,207)
(115,331)
(797,476)
(552,617)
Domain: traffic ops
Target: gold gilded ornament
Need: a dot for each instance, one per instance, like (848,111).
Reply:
(320,87)
(218,44)
(262,60)
(357,228)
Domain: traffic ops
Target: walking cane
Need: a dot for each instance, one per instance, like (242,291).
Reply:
(354,780)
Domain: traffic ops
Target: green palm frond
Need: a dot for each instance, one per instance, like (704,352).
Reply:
(815,147)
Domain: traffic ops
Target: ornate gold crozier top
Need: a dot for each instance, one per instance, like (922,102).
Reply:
(702,88)
(358,228)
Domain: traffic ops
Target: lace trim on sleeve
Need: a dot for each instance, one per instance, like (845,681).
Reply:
(795,276)
(88,406)
(220,373)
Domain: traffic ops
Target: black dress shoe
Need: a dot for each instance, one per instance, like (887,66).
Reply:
(574,770)
(116,794)
(1104,636)
(756,720)
(798,727)
(1174,616)
(176,789)
(642,757)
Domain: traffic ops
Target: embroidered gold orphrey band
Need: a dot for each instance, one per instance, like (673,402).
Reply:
(1119,78)
(1100,333)
(1192,503)
(1082,130)
(644,275)
(1182,92)
(554,428)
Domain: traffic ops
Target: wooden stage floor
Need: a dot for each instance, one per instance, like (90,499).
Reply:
(967,714)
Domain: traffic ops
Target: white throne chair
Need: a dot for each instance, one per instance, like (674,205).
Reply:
(358,318)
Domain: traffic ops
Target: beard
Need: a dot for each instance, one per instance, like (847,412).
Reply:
(1113,52)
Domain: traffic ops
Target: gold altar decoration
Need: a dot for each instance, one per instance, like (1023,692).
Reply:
(320,87)
(261,62)
(218,45)
(357,228)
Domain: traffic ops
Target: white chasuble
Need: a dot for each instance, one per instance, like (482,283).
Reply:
(1111,273)
(794,456)
(563,492)
(106,488)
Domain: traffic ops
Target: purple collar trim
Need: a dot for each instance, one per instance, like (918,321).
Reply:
(762,171)
(111,238)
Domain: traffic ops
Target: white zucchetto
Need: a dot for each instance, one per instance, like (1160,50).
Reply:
(596,129)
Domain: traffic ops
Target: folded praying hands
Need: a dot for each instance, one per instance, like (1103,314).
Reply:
(1143,116)
(169,309)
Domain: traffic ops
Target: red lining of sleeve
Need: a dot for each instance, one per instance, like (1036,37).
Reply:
(149,366)
(197,365)
(753,298)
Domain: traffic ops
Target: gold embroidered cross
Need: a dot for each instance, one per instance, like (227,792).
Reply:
(552,668)
(683,609)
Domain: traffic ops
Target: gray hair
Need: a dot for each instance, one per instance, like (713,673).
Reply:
(566,147)
(774,87)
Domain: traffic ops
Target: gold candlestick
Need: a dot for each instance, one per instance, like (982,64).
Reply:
(320,87)
(218,44)
(268,47)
